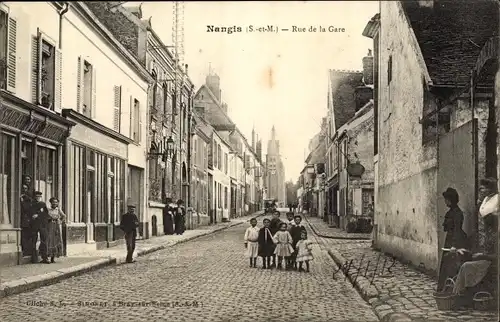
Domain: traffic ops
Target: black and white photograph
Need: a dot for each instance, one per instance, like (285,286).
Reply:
(249,161)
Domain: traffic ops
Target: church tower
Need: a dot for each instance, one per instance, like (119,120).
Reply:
(275,172)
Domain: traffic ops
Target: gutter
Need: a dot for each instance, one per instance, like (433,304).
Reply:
(61,13)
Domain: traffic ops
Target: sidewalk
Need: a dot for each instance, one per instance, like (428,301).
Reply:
(21,278)
(403,294)
(321,228)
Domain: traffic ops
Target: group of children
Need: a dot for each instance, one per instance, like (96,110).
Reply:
(279,240)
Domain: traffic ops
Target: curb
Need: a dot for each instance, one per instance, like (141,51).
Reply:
(33,282)
(330,237)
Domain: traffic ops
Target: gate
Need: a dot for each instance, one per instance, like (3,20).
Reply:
(457,168)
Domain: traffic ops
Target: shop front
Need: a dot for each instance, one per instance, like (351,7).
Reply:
(31,149)
(96,182)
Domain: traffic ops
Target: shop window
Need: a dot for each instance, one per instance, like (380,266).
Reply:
(7,179)
(119,183)
(100,183)
(78,176)
(46,170)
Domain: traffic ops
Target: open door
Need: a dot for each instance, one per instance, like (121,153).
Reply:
(458,170)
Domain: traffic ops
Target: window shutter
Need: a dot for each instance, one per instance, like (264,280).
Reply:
(35,72)
(117,108)
(93,109)
(79,85)
(58,82)
(12,55)
(131,131)
(139,119)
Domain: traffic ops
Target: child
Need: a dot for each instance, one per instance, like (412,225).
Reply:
(266,244)
(252,242)
(304,251)
(284,247)
(296,232)
(274,226)
(291,223)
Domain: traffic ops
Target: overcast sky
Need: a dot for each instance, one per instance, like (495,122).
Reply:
(271,79)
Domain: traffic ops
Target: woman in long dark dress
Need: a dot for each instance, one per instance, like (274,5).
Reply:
(455,238)
(54,239)
(168,222)
(180,218)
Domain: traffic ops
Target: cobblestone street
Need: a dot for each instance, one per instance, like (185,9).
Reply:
(403,290)
(206,279)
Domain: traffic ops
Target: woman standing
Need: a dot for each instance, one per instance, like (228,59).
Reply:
(455,237)
(54,239)
(180,218)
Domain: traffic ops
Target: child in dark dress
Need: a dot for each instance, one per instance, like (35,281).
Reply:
(296,232)
(266,244)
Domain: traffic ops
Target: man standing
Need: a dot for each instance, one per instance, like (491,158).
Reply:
(26,233)
(39,221)
(129,224)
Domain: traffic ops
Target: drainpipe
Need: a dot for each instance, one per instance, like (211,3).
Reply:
(61,14)
(189,146)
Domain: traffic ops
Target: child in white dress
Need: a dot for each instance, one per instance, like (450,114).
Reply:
(283,241)
(304,251)
(252,242)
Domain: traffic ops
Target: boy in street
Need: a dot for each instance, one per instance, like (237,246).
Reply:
(129,224)
(252,242)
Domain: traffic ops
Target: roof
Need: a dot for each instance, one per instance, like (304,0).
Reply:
(318,154)
(451,36)
(372,26)
(202,126)
(120,26)
(342,86)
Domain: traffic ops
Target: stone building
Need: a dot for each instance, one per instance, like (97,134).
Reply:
(348,91)
(100,90)
(275,171)
(169,110)
(433,133)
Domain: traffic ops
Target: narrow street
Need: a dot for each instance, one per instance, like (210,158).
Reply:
(206,279)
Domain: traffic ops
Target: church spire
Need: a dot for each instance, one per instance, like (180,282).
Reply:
(273,133)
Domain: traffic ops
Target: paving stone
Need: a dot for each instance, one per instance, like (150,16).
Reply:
(210,270)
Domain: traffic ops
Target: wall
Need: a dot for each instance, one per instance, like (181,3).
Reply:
(111,70)
(221,178)
(406,210)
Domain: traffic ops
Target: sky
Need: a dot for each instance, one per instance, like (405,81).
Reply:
(268,79)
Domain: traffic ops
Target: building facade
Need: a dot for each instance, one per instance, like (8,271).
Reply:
(410,176)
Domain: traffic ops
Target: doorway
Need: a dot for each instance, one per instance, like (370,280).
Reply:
(135,193)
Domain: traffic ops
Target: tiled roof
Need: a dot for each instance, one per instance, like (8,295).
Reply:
(451,36)
(318,154)
(342,86)
(120,26)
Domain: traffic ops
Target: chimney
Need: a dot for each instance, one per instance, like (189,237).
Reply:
(224,107)
(368,68)
(253,139)
(213,83)
(186,68)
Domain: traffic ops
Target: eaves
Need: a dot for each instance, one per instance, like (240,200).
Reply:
(90,18)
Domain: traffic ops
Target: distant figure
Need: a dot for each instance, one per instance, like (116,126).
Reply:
(180,218)
(168,221)
(129,225)
(26,200)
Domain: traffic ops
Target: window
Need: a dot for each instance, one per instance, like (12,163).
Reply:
(8,47)
(219,157)
(117,103)
(86,88)
(119,193)
(225,197)
(46,75)
(389,70)
(77,197)
(46,170)
(135,120)
(225,163)
(8,171)
(195,151)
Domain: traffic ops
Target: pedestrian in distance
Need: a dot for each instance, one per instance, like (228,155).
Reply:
(296,232)
(252,242)
(180,218)
(54,235)
(129,224)
(26,234)
(266,244)
(304,251)
(283,241)
(39,222)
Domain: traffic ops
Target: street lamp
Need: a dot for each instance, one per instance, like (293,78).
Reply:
(165,154)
